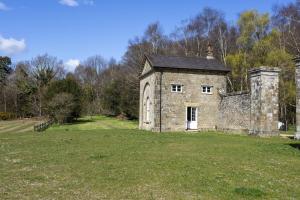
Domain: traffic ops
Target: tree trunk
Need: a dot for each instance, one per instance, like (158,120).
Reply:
(16,105)
(285,118)
(246,80)
(186,47)
(40,102)
(198,47)
(4,98)
(230,84)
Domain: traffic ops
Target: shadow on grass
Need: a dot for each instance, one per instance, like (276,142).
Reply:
(98,156)
(249,192)
(83,121)
(91,119)
(295,145)
(80,121)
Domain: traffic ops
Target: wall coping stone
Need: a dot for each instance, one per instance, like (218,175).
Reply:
(264,69)
(236,93)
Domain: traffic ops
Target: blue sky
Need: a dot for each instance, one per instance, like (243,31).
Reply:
(73,30)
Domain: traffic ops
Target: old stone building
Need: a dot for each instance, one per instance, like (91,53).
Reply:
(189,93)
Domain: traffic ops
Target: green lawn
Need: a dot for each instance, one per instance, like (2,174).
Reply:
(97,123)
(105,158)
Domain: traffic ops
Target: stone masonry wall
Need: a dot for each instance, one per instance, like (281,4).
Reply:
(174,104)
(235,112)
(147,89)
(297,81)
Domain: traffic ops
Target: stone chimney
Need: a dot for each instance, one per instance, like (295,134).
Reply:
(264,101)
(297,79)
(210,52)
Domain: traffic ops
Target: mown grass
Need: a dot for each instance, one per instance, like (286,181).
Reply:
(68,162)
(18,126)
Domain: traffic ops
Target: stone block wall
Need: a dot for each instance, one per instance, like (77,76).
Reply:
(174,105)
(297,81)
(234,112)
(147,90)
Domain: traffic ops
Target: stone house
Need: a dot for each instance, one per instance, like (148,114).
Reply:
(189,93)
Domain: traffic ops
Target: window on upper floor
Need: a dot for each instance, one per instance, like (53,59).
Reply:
(206,89)
(176,88)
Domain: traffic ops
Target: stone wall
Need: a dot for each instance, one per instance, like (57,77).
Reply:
(147,90)
(297,72)
(174,104)
(235,112)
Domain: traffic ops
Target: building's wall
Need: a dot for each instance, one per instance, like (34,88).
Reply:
(147,89)
(174,105)
(157,102)
(234,114)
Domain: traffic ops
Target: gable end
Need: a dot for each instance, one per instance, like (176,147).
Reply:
(147,67)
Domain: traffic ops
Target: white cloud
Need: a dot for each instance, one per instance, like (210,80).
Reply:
(74,3)
(3,7)
(89,2)
(71,3)
(12,46)
(72,64)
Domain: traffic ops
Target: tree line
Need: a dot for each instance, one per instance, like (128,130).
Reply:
(42,87)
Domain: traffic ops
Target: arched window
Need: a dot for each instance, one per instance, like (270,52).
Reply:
(146,104)
(148,110)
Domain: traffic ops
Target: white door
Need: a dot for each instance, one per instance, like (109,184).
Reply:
(191,118)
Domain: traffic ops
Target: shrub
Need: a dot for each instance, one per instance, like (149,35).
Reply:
(66,86)
(61,107)
(7,116)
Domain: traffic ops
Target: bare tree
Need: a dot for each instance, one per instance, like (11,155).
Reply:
(287,20)
(45,68)
(154,35)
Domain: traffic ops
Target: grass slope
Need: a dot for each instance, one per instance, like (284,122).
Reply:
(83,162)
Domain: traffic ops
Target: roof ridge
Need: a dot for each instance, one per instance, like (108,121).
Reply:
(178,56)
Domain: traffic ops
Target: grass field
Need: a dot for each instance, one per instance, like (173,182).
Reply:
(105,158)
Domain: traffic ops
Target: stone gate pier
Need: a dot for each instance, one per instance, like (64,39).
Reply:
(297,79)
(264,109)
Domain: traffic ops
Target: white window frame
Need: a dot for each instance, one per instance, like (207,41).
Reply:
(177,86)
(207,89)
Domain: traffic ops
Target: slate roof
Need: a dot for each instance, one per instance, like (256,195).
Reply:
(195,63)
